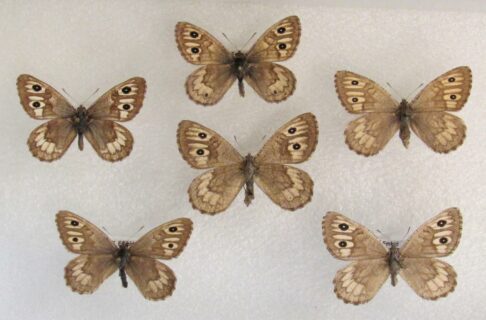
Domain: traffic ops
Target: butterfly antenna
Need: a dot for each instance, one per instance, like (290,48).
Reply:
(90,96)
(224,35)
(393,89)
(248,41)
(236,140)
(406,234)
(414,92)
(139,229)
(106,230)
(70,97)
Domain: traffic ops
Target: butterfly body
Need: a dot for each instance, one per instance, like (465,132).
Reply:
(98,123)
(220,67)
(427,115)
(214,190)
(372,262)
(123,257)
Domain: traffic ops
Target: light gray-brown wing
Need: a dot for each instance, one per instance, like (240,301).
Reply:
(154,279)
(359,282)
(208,84)
(165,241)
(288,187)
(203,148)
(448,92)
(294,142)
(441,131)
(49,141)
(111,141)
(86,273)
(81,236)
(272,82)
(370,133)
(429,278)
(438,237)
(348,240)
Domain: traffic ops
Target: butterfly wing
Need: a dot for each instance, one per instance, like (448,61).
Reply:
(441,131)
(49,141)
(278,43)
(81,236)
(208,84)
(111,141)
(198,46)
(86,273)
(448,92)
(40,100)
(370,133)
(120,103)
(359,94)
(294,142)
(165,241)
(348,240)
(154,279)
(438,237)
(272,82)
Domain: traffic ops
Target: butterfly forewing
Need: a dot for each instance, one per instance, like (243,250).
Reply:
(448,92)
(198,46)
(40,100)
(294,142)
(277,43)
(120,103)
(86,273)
(165,241)
(81,236)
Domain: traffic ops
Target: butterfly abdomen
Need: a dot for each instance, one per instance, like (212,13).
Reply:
(394,263)
(249,172)
(80,121)
(123,255)
(404,113)
(240,68)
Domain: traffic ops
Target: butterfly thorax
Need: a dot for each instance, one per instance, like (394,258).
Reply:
(249,170)
(240,69)
(404,113)
(394,262)
(122,258)
(80,120)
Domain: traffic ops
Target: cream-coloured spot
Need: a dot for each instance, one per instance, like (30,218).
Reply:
(74,233)
(203,191)
(198,85)
(36,98)
(168,252)
(281,83)
(342,237)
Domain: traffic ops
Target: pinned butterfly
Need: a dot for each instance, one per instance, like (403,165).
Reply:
(383,116)
(208,84)
(372,263)
(49,141)
(214,190)
(99,257)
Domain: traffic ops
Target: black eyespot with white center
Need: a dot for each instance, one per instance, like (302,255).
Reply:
(194,34)
(343,244)
(441,223)
(451,79)
(354,83)
(195,50)
(74,223)
(200,152)
(296,146)
(202,135)
(282,46)
(36,104)
(443,240)
(292,130)
(75,239)
(343,226)
(127,107)
(36,87)
(126,90)
(281,30)
(354,99)
(453,97)
(173,229)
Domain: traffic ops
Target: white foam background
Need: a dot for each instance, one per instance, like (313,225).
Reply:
(259,262)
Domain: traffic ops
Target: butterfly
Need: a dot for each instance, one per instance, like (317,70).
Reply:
(99,257)
(372,263)
(208,84)
(384,116)
(49,141)
(214,190)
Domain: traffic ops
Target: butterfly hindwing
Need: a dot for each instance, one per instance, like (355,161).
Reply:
(111,141)
(198,46)
(294,142)
(165,241)
(277,43)
(81,236)
(49,141)
(272,82)
(40,100)
(85,273)
(448,92)
(208,84)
